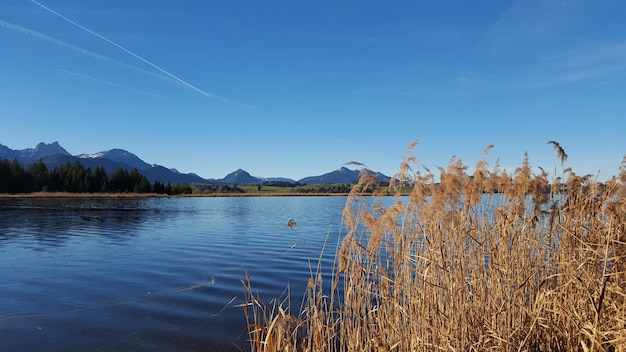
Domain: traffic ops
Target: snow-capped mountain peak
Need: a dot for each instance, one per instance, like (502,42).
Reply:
(120,156)
(42,150)
(91,156)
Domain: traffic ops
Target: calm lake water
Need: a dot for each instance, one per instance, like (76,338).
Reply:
(150,274)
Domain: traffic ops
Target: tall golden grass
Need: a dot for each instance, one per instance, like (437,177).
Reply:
(496,261)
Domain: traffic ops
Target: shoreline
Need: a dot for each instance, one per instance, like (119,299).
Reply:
(67,195)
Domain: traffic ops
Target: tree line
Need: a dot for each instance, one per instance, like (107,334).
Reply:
(75,178)
(325,188)
(217,188)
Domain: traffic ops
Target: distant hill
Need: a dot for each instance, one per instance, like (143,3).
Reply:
(164,175)
(120,156)
(31,155)
(56,160)
(53,155)
(279,179)
(240,176)
(343,175)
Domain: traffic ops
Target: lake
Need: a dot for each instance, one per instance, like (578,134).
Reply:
(155,274)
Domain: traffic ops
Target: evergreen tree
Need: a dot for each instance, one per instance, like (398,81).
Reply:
(158,187)
(39,175)
(6,177)
(139,182)
(90,182)
(77,178)
(20,180)
(119,181)
(101,180)
(55,184)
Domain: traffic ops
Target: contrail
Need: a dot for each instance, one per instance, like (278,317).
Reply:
(108,59)
(122,48)
(53,40)
(111,83)
(78,49)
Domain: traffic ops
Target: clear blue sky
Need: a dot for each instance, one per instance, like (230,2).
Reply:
(297,88)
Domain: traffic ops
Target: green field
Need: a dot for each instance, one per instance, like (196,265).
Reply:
(266,189)
(314,189)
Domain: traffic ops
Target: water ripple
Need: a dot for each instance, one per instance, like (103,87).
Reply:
(151,274)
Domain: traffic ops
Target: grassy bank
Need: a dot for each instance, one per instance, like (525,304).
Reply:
(306,190)
(82,195)
(159,195)
(496,261)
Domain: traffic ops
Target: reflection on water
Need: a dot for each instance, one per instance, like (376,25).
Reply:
(149,274)
(51,222)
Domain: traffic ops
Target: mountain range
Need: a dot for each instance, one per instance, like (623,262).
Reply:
(54,155)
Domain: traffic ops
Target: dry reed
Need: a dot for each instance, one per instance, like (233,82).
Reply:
(488,262)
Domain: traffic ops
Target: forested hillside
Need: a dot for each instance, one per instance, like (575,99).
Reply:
(75,178)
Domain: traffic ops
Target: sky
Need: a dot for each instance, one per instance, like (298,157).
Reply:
(285,88)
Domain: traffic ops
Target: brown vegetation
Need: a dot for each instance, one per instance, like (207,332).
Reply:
(490,262)
(83,195)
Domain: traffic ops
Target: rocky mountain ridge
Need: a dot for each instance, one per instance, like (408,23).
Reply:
(54,155)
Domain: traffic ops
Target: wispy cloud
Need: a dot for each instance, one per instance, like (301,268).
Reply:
(104,58)
(161,74)
(594,61)
(75,48)
(54,41)
(530,23)
(111,83)
(189,85)
(596,54)
(546,43)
